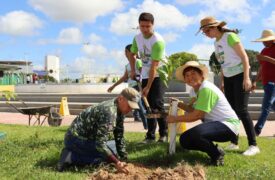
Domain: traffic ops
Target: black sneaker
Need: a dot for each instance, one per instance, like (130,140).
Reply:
(63,161)
(219,160)
(137,119)
(148,141)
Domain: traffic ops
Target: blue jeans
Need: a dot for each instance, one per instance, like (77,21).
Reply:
(267,104)
(201,137)
(84,151)
(140,113)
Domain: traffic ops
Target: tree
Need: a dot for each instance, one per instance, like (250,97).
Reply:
(49,78)
(252,56)
(214,64)
(166,71)
(181,58)
(66,80)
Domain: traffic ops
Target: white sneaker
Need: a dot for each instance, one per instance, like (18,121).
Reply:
(251,151)
(232,147)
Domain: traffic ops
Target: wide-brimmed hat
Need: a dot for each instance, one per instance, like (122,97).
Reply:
(132,96)
(202,67)
(210,21)
(267,35)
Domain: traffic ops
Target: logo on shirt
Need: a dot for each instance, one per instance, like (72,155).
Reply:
(145,56)
(220,54)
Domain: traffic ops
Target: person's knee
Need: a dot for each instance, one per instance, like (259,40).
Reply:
(185,141)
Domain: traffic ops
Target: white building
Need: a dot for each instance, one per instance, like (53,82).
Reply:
(52,66)
(97,78)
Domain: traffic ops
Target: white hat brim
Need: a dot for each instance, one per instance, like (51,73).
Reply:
(179,71)
(270,38)
(133,104)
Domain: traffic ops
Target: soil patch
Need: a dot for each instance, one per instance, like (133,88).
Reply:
(139,172)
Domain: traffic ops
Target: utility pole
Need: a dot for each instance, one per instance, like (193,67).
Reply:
(26,60)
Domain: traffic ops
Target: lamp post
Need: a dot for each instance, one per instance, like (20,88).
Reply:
(27,66)
(67,73)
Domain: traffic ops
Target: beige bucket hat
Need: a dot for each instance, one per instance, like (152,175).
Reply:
(132,97)
(267,35)
(202,67)
(210,21)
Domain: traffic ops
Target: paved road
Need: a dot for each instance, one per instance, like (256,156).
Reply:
(130,125)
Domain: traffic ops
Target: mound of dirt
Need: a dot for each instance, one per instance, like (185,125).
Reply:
(139,172)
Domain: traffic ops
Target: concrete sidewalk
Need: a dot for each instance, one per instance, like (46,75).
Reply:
(130,125)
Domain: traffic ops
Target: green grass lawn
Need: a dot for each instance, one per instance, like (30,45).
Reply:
(32,153)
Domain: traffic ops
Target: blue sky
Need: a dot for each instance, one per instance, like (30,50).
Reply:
(90,35)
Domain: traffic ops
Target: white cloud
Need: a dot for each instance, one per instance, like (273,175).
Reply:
(187,2)
(82,65)
(166,16)
(95,51)
(203,51)
(107,60)
(69,36)
(270,22)
(170,37)
(265,2)
(19,23)
(76,11)
(120,59)
(88,65)
(94,38)
(125,23)
(233,10)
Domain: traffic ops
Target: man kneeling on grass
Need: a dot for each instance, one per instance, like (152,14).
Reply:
(87,139)
(220,122)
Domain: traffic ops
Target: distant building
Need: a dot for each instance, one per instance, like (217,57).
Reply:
(14,72)
(97,78)
(52,66)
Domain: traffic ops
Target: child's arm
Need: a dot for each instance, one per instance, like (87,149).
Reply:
(121,80)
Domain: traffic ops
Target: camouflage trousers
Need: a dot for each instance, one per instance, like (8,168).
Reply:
(84,152)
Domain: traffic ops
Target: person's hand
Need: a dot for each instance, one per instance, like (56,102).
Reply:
(260,57)
(121,167)
(254,86)
(145,91)
(171,99)
(247,84)
(110,89)
(171,119)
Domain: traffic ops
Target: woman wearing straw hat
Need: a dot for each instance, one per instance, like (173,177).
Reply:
(235,76)
(220,122)
(267,76)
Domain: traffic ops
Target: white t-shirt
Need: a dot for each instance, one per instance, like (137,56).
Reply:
(212,101)
(138,66)
(230,62)
(152,48)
